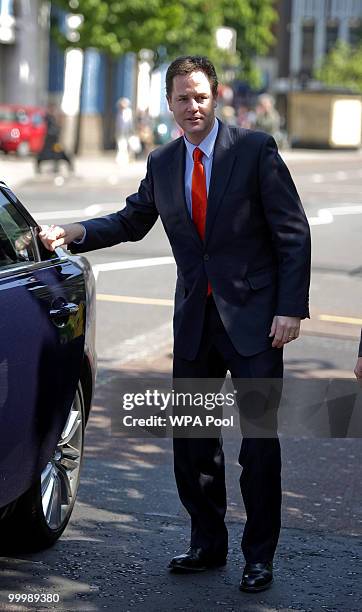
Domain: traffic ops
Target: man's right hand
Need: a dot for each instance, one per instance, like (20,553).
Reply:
(53,236)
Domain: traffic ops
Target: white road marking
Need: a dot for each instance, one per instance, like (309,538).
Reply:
(131,264)
(88,211)
(58,214)
(93,209)
(330,175)
(347,209)
(341,189)
(326,215)
(109,205)
(317,178)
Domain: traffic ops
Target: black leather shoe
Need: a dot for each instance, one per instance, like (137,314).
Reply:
(256,577)
(196,560)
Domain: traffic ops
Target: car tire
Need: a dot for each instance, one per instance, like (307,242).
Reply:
(23,149)
(43,512)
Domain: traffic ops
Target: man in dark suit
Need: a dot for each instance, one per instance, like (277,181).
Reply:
(241,243)
(358,368)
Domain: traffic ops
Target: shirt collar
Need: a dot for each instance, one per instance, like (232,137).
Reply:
(206,145)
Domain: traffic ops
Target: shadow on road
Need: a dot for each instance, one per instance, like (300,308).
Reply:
(128,523)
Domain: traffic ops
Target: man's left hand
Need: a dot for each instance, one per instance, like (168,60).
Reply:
(284,330)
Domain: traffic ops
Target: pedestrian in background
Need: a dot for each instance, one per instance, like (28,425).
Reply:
(227,115)
(144,133)
(123,130)
(52,149)
(267,117)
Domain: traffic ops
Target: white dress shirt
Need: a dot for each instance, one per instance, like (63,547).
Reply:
(207,147)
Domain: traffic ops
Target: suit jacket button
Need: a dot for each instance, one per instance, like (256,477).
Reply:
(206,257)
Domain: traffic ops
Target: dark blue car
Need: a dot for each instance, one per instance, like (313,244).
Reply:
(47,373)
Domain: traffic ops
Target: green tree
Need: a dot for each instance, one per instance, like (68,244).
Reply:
(342,67)
(174,26)
(169,28)
(253,21)
(131,25)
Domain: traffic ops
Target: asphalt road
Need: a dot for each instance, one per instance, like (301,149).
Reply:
(128,522)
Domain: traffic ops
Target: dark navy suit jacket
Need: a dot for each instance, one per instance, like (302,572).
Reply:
(256,252)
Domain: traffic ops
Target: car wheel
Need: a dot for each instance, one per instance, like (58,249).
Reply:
(43,512)
(23,149)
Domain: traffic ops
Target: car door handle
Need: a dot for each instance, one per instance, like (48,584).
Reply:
(64,311)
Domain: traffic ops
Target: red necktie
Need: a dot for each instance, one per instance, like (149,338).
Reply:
(199,196)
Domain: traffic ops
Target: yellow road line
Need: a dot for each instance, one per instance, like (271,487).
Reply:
(128,299)
(336,319)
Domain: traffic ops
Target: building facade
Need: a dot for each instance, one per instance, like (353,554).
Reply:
(316,26)
(33,71)
(307,31)
(24,48)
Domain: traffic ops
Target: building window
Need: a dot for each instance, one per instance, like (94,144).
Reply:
(308,32)
(331,35)
(355,32)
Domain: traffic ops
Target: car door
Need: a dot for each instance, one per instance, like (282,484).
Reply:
(42,327)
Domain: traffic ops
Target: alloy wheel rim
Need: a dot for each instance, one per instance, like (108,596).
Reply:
(60,477)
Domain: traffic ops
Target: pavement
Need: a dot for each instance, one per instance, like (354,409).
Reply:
(90,168)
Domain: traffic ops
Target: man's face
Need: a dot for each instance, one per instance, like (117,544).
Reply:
(193,105)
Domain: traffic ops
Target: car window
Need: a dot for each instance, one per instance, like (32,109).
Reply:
(16,239)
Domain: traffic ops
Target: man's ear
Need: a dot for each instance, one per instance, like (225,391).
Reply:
(169,103)
(215,101)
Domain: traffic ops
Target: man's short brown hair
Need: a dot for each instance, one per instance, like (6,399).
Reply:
(191,63)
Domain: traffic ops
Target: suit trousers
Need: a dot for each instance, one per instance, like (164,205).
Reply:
(199,462)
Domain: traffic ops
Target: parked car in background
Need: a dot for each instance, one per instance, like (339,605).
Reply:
(47,374)
(22,128)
